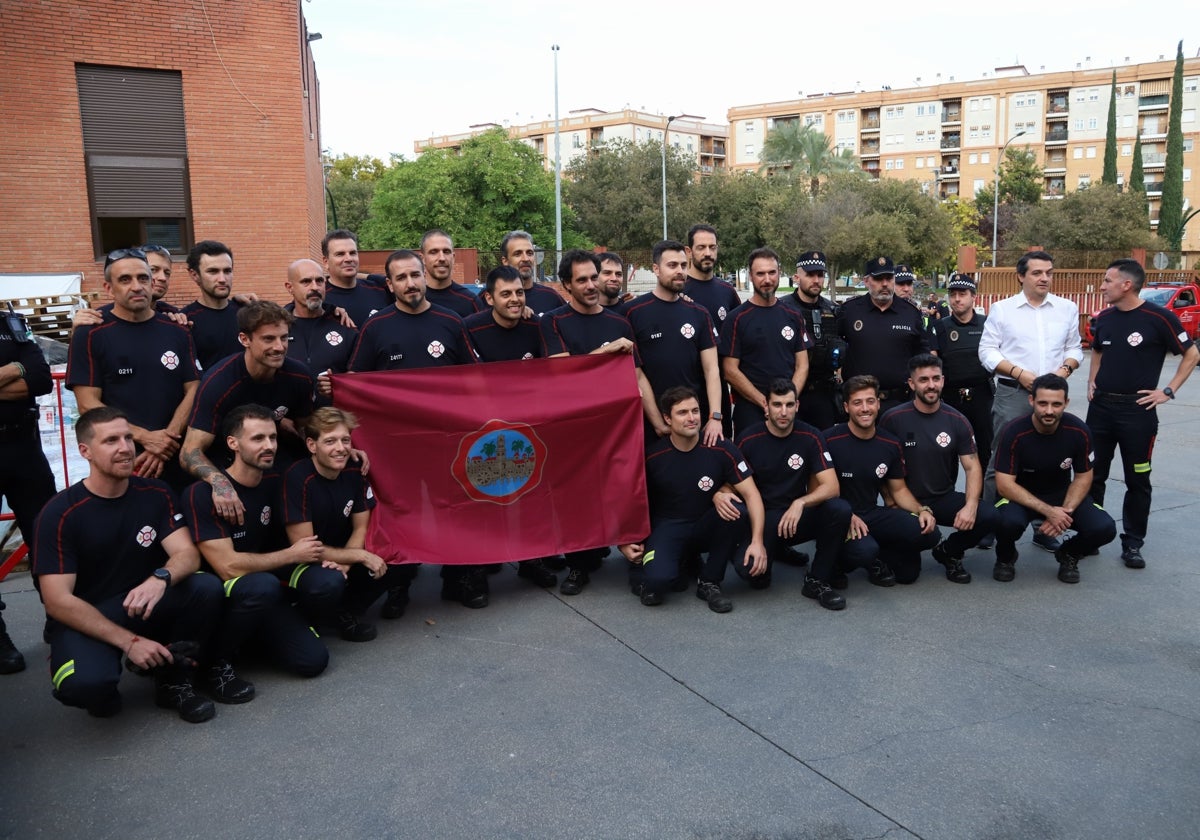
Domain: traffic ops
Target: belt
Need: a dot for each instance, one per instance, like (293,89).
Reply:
(9,431)
(1007,383)
(1107,396)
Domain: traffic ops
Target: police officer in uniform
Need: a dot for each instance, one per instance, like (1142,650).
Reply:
(25,477)
(968,384)
(820,402)
(882,334)
(1131,340)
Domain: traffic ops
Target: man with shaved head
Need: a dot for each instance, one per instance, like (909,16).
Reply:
(318,338)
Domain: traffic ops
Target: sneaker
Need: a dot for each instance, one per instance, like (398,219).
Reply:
(536,572)
(396,603)
(351,629)
(986,543)
(226,686)
(1131,555)
(840,581)
(575,581)
(1046,543)
(11,660)
(1068,567)
(711,592)
(794,557)
(955,573)
(468,588)
(1004,572)
(176,692)
(650,599)
(879,574)
(822,593)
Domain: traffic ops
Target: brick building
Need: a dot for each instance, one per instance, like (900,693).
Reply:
(168,122)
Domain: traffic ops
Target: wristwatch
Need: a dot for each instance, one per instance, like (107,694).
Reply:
(1170,392)
(716,415)
(164,575)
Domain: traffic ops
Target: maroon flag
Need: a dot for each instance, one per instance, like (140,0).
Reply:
(501,461)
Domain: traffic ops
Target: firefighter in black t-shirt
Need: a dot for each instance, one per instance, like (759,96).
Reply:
(1130,342)
(317,337)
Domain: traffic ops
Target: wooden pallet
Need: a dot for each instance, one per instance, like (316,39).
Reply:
(50,316)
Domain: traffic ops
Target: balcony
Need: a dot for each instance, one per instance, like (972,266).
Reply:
(951,141)
(948,175)
(951,116)
(1153,160)
(1057,107)
(1055,167)
(869,149)
(1151,133)
(1056,136)
(1158,102)
(1154,189)
(869,125)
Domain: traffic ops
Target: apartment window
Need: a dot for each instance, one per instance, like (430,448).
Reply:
(1080,96)
(899,111)
(973,158)
(1189,85)
(985,157)
(750,149)
(978,184)
(920,163)
(1092,124)
(987,131)
(576,142)
(887,164)
(1127,121)
(929,162)
(1079,125)
(986,102)
(1084,182)
(749,125)
(135,155)
(900,165)
(1187,173)
(1091,151)
(1019,102)
(1188,115)
(1187,144)
(1078,153)
(920,110)
(814,119)
(1033,100)
(972,104)
(1094,95)
(973,132)
(1126,150)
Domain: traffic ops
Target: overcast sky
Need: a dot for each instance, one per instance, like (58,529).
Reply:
(393,72)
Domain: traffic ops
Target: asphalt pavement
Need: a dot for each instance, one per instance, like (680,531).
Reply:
(1032,709)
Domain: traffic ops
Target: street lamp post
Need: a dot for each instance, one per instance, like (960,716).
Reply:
(664,173)
(557,168)
(996,198)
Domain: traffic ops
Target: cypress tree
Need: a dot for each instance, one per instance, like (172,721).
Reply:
(1170,214)
(1110,138)
(1137,176)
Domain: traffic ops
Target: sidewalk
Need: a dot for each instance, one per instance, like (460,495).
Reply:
(1024,710)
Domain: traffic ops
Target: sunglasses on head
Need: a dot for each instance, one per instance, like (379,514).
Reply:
(124,254)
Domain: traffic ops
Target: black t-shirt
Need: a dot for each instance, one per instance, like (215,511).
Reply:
(863,465)
(329,504)
(881,342)
(321,343)
(670,335)
(1045,464)
(140,368)
(364,300)
(933,444)
(958,346)
(110,545)
(680,485)
(456,297)
(214,331)
(716,296)
(262,528)
(567,331)
(396,340)
(783,466)
(540,298)
(1133,345)
(289,393)
(765,341)
(494,343)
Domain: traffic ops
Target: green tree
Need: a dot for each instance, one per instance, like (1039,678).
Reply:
(1100,218)
(350,184)
(802,151)
(616,194)
(1137,177)
(735,204)
(1172,219)
(1020,189)
(1110,137)
(491,185)
(964,220)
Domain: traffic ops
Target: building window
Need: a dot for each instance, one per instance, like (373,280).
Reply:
(985,157)
(900,165)
(973,158)
(1092,124)
(1091,151)
(1078,153)
(920,163)
(887,164)
(1187,144)
(929,162)
(1080,95)
(1079,125)
(1127,121)
(750,149)
(973,132)
(1126,150)
(972,104)
(135,156)
(1094,95)
(978,184)
(1188,115)
(749,125)
(1187,174)
(576,143)
(1189,85)
(1085,181)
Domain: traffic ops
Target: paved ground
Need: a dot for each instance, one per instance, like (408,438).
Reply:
(1025,710)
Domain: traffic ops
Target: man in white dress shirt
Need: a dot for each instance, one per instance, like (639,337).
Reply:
(1029,334)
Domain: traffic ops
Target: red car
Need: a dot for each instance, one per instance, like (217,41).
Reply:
(1183,300)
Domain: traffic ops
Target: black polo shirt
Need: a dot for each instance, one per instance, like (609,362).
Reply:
(328,503)
(680,485)
(140,368)
(494,343)
(1044,464)
(670,336)
(933,444)
(567,331)
(783,466)
(1133,345)
(214,331)
(396,340)
(716,296)
(957,345)
(880,343)
(110,545)
(863,465)
(764,340)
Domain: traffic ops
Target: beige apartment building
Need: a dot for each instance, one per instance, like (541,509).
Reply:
(585,131)
(950,134)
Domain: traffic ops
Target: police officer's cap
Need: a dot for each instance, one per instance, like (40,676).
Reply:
(905,276)
(961,281)
(811,261)
(879,266)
